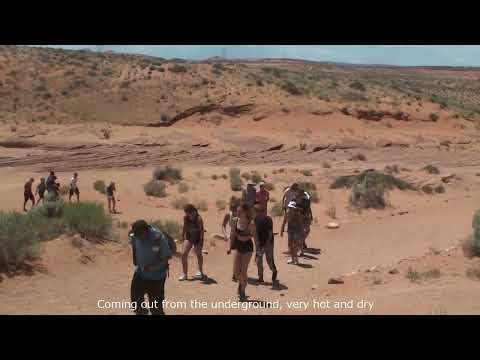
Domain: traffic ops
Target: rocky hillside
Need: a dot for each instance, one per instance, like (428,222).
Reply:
(52,85)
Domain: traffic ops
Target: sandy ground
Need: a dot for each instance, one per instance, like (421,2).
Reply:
(396,237)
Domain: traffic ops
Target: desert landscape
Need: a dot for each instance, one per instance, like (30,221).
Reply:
(118,117)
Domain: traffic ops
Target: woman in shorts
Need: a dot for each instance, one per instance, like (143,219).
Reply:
(295,220)
(229,219)
(111,197)
(241,240)
(192,237)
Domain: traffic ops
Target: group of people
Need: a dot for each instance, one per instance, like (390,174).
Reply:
(251,231)
(49,186)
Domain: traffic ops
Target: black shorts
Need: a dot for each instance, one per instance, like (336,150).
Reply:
(193,238)
(41,194)
(76,191)
(243,247)
(28,196)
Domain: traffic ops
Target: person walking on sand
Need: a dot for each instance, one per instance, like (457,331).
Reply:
(289,195)
(263,196)
(303,201)
(40,191)
(151,250)
(74,188)
(241,241)
(264,227)
(192,237)
(51,181)
(293,217)
(111,197)
(229,219)
(249,195)
(28,194)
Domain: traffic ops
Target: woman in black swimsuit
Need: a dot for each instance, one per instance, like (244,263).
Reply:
(241,241)
(192,237)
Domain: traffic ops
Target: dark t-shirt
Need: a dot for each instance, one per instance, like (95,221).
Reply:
(264,226)
(28,188)
(51,181)
(110,190)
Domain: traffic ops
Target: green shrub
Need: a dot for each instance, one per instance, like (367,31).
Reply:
(368,191)
(236,183)
(439,189)
(276,210)
(179,203)
(155,188)
(306,172)
(171,227)
(416,276)
(473,272)
(178,69)
(18,240)
(100,186)
(183,188)
(167,173)
(358,157)
(214,177)
(390,181)
(432,169)
(225,176)
(87,219)
(221,204)
(427,189)
(413,275)
(64,190)
(471,246)
(357,86)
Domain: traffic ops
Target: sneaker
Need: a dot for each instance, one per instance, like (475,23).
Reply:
(234,279)
(199,275)
(274,277)
(183,277)
(290,261)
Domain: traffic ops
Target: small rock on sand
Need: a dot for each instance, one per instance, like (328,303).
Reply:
(335,281)
(333,225)
(314,287)
(393,271)
(205,252)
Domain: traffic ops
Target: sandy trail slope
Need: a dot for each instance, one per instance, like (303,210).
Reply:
(415,223)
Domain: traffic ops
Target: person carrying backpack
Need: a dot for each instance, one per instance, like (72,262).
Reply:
(151,251)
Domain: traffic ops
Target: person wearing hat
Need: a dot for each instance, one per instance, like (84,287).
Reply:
(289,195)
(152,249)
(294,218)
(263,196)
(249,195)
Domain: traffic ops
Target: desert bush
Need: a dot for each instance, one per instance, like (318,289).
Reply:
(164,118)
(236,183)
(88,219)
(18,240)
(326,165)
(64,190)
(473,272)
(439,189)
(416,276)
(221,205)
(471,246)
(100,186)
(358,157)
(178,69)
(368,191)
(106,133)
(357,85)
(434,117)
(427,189)
(302,146)
(201,205)
(246,176)
(183,188)
(353,96)
(167,173)
(431,169)
(306,172)
(123,225)
(276,210)
(391,169)
(171,227)
(155,188)
(291,88)
(413,275)
(179,203)
(390,181)
(225,176)
(214,177)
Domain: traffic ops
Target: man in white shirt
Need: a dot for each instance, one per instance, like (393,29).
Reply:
(74,188)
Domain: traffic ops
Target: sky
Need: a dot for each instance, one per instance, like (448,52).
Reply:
(403,55)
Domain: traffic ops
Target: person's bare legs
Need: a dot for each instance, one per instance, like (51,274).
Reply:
(109,205)
(198,252)
(114,205)
(78,197)
(187,246)
(237,269)
(244,262)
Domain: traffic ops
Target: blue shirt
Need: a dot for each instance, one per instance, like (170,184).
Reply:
(150,251)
